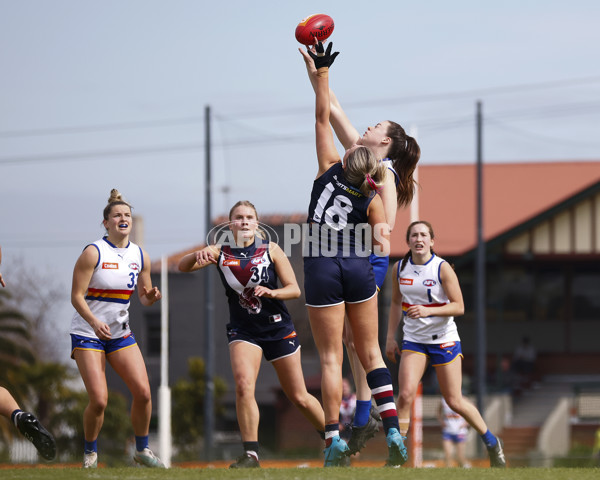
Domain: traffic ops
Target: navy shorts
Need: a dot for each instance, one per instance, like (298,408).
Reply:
(331,281)
(439,353)
(113,345)
(273,348)
(380,268)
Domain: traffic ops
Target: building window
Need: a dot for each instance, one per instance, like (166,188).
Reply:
(516,290)
(549,298)
(586,301)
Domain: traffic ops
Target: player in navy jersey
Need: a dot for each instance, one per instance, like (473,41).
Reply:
(104,278)
(259,322)
(400,153)
(426,297)
(338,277)
(29,426)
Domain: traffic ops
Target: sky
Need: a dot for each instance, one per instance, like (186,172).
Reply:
(108,94)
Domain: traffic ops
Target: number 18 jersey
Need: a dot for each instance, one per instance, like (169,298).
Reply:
(337,217)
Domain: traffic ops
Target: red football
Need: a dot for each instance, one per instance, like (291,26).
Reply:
(318,26)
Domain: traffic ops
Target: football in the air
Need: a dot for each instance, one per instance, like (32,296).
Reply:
(319,26)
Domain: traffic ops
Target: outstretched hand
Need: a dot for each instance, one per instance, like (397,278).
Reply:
(322,58)
(152,295)
(310,65)
(205,256)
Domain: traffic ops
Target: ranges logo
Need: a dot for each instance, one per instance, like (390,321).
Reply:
(231,262)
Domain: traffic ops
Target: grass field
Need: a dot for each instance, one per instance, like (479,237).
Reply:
(295,473)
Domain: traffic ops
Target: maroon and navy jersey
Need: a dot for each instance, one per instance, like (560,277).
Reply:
(337,218)
(242,269)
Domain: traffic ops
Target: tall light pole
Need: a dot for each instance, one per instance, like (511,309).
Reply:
(480,364)
(164,391)
(209,398)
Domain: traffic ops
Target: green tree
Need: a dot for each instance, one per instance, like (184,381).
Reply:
(15,337)
(187,416)
(48,388)
(15,352)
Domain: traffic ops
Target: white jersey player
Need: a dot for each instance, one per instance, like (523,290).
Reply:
(427,297)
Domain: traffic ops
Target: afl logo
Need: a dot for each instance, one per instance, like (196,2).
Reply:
(257,261)
(134,266)
(429,283)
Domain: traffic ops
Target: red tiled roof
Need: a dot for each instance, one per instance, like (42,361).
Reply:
(512,194)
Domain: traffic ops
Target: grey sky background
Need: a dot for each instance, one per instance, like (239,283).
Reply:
(103,94)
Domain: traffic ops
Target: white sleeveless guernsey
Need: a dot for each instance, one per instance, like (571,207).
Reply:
(421,285)
(453,423)
(111,286)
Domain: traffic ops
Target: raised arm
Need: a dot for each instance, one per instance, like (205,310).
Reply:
(327,154)
(390,202)
(344,130)
(379,226)
(200,259)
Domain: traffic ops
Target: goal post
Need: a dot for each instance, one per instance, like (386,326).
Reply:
(415,442)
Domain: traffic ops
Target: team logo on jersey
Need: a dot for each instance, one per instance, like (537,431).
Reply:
(406,281)
(231,262)
(110,266)
(249,301)
(429,282)
(134,266)
(258,260)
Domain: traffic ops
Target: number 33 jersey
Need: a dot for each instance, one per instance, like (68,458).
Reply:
(111,286)
(241,270)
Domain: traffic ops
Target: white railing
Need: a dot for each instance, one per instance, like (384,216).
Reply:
(22,451)
(554,438)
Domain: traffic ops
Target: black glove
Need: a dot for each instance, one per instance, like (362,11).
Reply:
(323,58)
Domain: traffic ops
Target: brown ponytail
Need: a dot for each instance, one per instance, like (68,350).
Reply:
(404,152)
